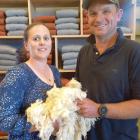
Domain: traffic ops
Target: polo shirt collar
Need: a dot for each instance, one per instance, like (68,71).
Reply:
(120,38)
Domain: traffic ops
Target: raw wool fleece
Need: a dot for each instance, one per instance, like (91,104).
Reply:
(60,105)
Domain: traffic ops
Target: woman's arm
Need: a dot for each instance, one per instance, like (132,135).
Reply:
(11,100)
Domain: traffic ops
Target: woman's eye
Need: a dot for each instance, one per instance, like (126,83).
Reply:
(36,38)
(47,38)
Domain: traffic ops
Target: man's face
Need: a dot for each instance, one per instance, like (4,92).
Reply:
(103,19)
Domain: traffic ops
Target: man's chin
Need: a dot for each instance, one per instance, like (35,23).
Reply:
(101,34)
(98,32)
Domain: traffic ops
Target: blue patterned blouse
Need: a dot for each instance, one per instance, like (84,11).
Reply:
(18,90)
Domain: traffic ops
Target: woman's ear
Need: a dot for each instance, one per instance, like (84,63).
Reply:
(26,46)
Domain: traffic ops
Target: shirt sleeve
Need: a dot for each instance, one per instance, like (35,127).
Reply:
(77,67)
(134,73)
(11,99)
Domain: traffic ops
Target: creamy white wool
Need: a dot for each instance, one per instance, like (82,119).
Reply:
(60,105)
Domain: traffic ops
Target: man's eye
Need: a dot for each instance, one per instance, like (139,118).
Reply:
(106,12)
(92,13)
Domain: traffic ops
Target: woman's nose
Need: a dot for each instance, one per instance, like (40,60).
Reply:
(42,41)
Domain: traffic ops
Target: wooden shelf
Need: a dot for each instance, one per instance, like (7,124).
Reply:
(3,137)
(55,3)
(70,36)
(80,36)
(61,70)
(11,37)
(3,72)
(13,3)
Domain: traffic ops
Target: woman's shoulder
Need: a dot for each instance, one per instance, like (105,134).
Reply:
(18,72)
(18,68)
(15,75)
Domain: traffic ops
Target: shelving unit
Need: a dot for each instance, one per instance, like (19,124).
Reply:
(54,3)
(34,6)
(13,3)
(138,21)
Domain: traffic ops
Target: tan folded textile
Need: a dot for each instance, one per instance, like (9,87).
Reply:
(3,133)
(50,57)
(53,32)
(44,19)
(85,26)
(86,32)
(2,28)
(49,62)
(51,26)
(64,81)
(2,14)
(2,21)
(2,33)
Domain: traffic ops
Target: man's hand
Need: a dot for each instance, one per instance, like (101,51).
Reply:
(88,108)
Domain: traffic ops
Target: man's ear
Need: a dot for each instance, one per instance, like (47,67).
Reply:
(120,13)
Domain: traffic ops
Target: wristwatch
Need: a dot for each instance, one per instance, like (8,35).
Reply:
(102,110)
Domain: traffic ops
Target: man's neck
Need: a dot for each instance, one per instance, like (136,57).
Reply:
(104,43)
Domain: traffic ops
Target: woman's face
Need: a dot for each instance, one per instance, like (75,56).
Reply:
(39,42)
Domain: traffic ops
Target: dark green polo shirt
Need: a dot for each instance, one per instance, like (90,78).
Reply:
(111,77)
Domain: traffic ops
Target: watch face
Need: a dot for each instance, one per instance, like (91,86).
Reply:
(102,111)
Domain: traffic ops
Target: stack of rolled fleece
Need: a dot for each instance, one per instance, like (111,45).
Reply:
(86,29)
(16,22)
(124,22)
(8,57)
(2,23)
(69,56)
(49,21)
(67,22)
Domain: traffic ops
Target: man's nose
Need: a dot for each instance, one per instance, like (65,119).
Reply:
(99,17)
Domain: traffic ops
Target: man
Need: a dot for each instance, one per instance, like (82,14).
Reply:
(108,68)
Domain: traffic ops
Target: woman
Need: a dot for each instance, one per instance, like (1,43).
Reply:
(26,83)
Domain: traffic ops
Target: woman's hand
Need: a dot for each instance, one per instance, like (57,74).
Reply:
(33,129)
(56,127)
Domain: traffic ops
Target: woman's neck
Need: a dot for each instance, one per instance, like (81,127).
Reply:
(42,70)
(37,64)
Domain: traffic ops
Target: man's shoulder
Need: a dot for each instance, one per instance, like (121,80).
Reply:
(86,48)
(132,47)
(131,43)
